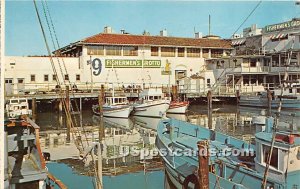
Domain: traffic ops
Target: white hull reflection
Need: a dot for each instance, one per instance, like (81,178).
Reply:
(155,108)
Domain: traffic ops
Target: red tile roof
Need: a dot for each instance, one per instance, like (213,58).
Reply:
(126,39)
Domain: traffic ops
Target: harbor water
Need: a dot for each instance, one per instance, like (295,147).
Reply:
(134,171)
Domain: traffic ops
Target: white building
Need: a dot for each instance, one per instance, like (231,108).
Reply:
(120,58)
(261,58)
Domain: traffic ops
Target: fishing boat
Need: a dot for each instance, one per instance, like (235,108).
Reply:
(289,97)
(24,163)
(115,106)
(16,107)
(235,164)
(151,103)
(178,107)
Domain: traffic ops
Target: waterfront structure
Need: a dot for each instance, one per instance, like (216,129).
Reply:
(260,58)
(109,57)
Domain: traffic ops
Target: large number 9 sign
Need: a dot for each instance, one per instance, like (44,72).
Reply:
(97,66)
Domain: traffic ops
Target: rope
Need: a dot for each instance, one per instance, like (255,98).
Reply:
(247,17)
(54,69)
(45,7)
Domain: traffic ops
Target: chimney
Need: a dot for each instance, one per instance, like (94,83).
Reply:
(198,35)
(107,29)
(122,31)
(163,33)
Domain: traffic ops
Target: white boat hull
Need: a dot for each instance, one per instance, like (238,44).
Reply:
(178,110)
(152,109)
(123,112)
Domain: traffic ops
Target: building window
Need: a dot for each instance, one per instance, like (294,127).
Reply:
(180,52)
(154,51)
(205,53)
(46,77)
(274,157)
(54,77)
(77,77)
(113,50)
(130,51)
(193,52)
(95,50)
(216,53)
(67,77)
(32,78)
(167,51)
(208,82)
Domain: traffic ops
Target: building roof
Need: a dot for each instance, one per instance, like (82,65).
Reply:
(126,39)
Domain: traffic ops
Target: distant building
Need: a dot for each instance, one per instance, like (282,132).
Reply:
(122,58)
(261,56)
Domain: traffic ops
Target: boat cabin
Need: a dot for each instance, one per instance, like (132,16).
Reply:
(152,94)
(286,149)
(119,100)
(17,106)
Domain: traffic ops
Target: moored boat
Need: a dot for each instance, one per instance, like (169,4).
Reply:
(289,97)
(17,107)
(178,107)
(114,107)
(24,163)
(152,103)
(232,163)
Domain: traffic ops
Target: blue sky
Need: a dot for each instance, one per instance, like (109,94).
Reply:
(75,20)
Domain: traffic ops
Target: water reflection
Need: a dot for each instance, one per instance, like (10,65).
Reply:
(119,136)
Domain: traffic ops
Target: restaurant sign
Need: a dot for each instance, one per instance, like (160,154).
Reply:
(281,26)
(120,63)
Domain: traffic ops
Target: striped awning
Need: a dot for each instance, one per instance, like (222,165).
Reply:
(278,36)
(238,42)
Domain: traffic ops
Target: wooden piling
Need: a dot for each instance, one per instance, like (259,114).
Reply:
(33,103)
(80,104)
(101,136)
(269,95)
(60,106)
(209,100)
(238,95)
(68,109)
(101,99)
(68,98)
(100,180)
(174,92)
(203,169)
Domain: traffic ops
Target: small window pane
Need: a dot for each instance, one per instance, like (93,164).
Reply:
(32,78)
(113,50)
(193,52)
(205,53)
(154,51)
(216,53)
(167,51)
(66,77)
(180,52)
(77,77)
(46,77)
(95,50)
(130,51)
(274,157)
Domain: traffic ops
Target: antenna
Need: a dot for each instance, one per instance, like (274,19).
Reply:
(208,24)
